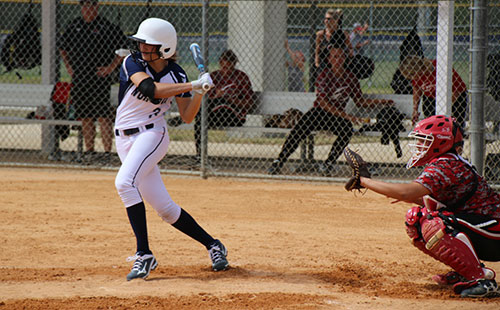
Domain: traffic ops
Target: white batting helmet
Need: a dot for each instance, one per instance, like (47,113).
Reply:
(157,31)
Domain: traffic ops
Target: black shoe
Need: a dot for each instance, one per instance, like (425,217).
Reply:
(327,169)
(89,157)
(103,158)
(483,288)
(143,265)
(54,156)
(195,163)
(175,121)
(275,167)
(218,255)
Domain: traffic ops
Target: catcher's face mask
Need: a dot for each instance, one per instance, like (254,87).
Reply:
(419,148)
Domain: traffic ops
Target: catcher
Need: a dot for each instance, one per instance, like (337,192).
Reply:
(456,220)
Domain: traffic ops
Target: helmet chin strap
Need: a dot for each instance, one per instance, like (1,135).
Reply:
(154,53)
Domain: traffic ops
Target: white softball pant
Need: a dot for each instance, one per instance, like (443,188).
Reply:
(139,176)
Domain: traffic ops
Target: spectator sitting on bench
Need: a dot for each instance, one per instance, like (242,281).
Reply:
(228,102)
(334,86)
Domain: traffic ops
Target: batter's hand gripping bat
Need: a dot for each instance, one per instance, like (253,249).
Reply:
(198,61)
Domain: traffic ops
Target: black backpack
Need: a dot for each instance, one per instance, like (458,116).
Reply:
(412,45)
(22,49)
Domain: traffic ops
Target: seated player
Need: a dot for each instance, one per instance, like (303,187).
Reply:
(334,87)
(228,102)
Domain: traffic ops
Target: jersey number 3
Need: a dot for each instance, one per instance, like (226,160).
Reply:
(155,112)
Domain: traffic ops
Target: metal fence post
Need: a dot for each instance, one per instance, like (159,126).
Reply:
(478,85)
(204,112)
(50,72)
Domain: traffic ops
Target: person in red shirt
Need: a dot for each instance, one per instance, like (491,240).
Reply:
(228,102)
(334,86)
(456,220)
(422,73)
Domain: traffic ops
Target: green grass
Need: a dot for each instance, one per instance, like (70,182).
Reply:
(379,82)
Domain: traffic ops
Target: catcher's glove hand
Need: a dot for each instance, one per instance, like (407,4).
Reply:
(359,169)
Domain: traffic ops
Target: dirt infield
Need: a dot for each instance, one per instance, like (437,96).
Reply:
(65,237)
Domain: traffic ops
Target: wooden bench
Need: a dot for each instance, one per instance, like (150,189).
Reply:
(18,100)
(279,102)
(22,99)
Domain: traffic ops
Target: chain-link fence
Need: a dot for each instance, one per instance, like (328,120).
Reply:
(295,82)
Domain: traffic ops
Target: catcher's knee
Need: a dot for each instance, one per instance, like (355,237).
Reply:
(412,222)
(452,248)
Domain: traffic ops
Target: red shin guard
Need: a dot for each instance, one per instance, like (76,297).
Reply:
(456,252)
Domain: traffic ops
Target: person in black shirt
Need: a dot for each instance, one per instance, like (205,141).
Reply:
(88,48)
(332,33)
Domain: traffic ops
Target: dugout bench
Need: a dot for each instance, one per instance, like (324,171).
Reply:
(18,100)
(277,102)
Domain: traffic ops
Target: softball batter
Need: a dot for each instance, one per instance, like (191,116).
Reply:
(149,79)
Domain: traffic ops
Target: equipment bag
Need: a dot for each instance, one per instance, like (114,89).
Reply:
(61,100)
(22,49)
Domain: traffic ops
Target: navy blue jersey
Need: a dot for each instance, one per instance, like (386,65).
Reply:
(135,109)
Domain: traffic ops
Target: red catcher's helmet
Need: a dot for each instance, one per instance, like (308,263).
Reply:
(434,136)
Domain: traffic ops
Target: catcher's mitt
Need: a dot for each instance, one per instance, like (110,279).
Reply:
(359,169)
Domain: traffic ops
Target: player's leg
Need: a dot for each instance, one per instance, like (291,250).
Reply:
(483,233)
(456,250)
(433,236)
(82,97)
(307,123)
(139,155)
(88,132)
(106,133)
(343,129)
(136,213)
(154,192)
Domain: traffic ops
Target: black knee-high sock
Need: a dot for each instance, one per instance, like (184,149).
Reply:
(188,225)
(137,217)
